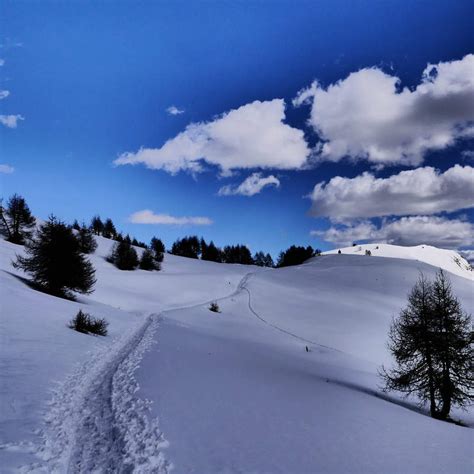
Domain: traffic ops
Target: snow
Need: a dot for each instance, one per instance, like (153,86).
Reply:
(449,260)
(178,387)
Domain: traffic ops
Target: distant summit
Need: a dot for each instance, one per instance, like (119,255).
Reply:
(448,260)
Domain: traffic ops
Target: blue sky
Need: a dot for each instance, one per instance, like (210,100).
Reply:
(90,81)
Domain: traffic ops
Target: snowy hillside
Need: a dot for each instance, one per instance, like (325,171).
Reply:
(446,259)
(282,380)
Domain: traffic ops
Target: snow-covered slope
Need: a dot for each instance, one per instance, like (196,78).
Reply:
(449,260)
(283,379)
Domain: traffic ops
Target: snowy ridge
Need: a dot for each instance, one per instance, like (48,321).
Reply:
(449,260)
(96,423)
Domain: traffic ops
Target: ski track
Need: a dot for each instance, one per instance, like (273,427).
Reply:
(97,424)
(242,286)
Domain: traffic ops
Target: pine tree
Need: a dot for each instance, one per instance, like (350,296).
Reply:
(259,259)
(211,253)
(187,247)
(453,342)
(148,262)
(97,225)
(123,255)
(263,260)
(431,342)
(295,256)
(55,261)
(158,249)
(75,225)
(16,221)
(109,231)
(87,242)
(237,254)
(269,261)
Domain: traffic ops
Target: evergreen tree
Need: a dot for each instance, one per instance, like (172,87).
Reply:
(148,262)
(294,256)
(187,247)
(453,342)
(158,249)
(55,261)
(123,255)
(268,261)
(97,225)
(263,260)
(211,253)
(109,231)
(16,221)
(86,240)
(259,259)
(237,254)
(75,225)
(431,342)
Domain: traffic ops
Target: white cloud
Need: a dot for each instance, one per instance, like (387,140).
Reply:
(421,191)
(173,110)
(4,94)
(6,169)
(415,230)
(149,217)
(250,186)
(10,121)
(2,62)
(368,115)
(252,136)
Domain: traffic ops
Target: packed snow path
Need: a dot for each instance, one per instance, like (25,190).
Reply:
(96,423)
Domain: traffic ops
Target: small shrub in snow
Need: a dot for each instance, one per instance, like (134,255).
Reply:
(214,307)
(368,252)
(87,324)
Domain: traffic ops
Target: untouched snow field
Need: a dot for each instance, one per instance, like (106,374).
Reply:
(177,387)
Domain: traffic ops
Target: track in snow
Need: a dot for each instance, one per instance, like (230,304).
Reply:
(96,423)
(242,286)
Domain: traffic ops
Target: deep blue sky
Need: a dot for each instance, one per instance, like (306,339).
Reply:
(93,80)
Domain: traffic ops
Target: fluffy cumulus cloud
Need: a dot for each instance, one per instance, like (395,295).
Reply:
(413,230)
(4,94)
(149,217)
(370,116)
(6,169)
(252,136)
(250,186)
(10,121)
(173,110)
(421,191)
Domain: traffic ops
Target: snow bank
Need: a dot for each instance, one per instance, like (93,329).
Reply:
(448,260)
